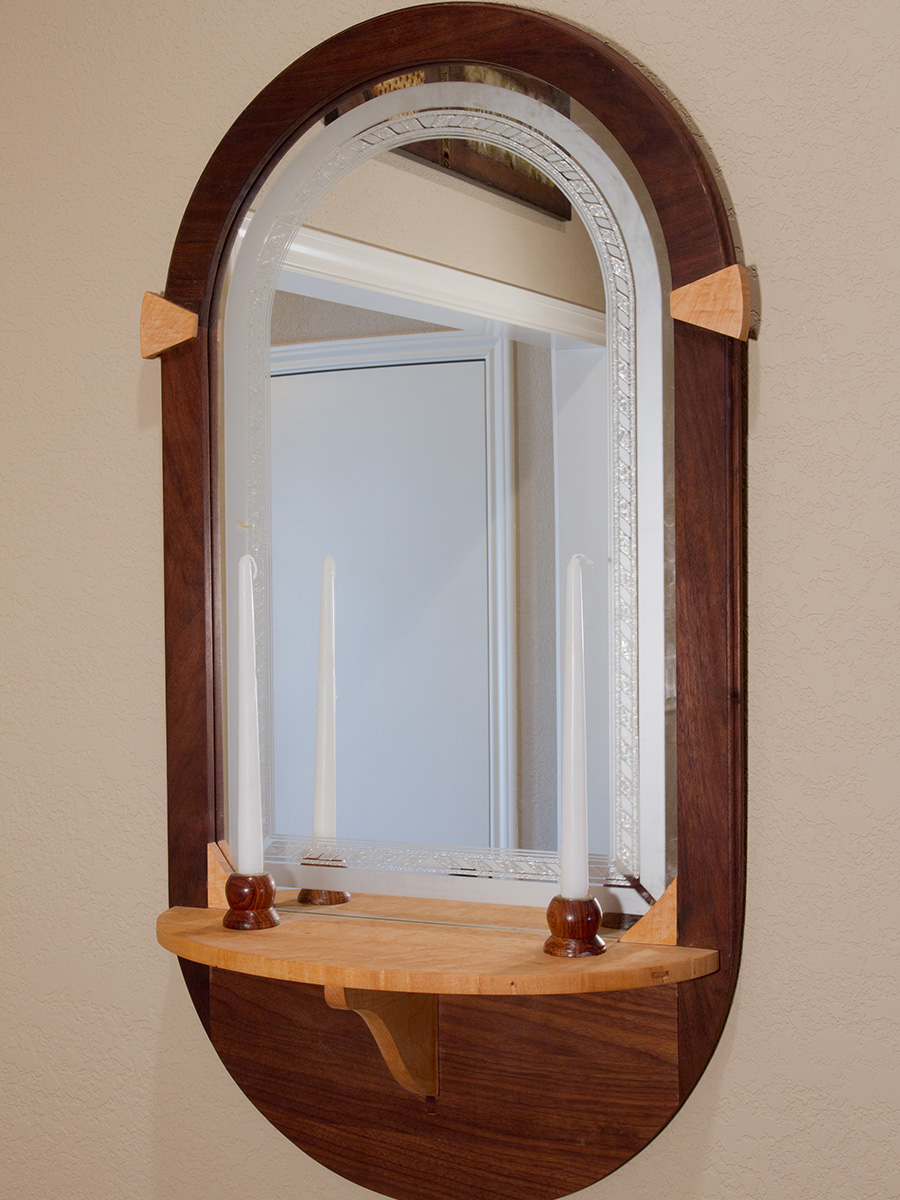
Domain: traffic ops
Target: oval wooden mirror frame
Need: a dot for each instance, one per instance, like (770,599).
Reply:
(540,1096)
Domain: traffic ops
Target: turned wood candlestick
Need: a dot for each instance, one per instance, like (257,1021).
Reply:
(573,927)
(250,899)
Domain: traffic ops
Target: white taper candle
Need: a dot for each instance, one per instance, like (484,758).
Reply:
(324,797)
(249,854)
(573,799)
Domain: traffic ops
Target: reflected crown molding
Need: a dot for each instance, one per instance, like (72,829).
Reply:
(325,265)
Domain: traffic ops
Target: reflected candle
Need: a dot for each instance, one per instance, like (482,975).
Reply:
(573,798)
(249,857)
(324,799)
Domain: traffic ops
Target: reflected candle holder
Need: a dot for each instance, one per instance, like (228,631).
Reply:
(573,927)
(322,896)
(250,900)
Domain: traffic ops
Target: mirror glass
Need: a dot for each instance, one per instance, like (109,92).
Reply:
(444,367)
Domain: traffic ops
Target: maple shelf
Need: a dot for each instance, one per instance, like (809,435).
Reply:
(397,944)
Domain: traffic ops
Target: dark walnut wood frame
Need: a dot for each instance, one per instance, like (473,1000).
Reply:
(540,1096)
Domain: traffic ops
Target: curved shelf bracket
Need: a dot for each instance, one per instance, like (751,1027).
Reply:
(405,1028)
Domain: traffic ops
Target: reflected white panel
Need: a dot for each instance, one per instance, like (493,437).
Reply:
(384,468)
(581,430)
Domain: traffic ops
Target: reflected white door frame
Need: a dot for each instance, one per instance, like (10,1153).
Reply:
(328,267)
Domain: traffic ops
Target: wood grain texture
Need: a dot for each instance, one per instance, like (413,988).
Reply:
(647,126)
(250,900)
(218,868)
(405,1028)
(573,928)
(709,604)
(321,897)
(720,302)
(164,325)
(191,748)
(708,396)
(539,1096)
(413,957)
(658,926)
(196,978)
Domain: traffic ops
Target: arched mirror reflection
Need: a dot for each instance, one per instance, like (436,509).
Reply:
(444,367)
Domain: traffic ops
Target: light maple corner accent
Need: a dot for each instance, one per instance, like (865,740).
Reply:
(218,868)
(720,302)
(164,324)
(658,926)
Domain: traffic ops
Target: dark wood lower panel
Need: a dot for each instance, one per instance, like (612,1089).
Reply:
(540,1096)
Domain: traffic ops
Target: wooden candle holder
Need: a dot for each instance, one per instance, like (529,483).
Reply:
(573,927)
(250,899)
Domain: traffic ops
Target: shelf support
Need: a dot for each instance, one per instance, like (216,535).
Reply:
(405,1028)
(659,925)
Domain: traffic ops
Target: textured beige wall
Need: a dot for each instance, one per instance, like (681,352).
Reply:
(110,111)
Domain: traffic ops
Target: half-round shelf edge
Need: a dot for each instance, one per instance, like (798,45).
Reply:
(408,956)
